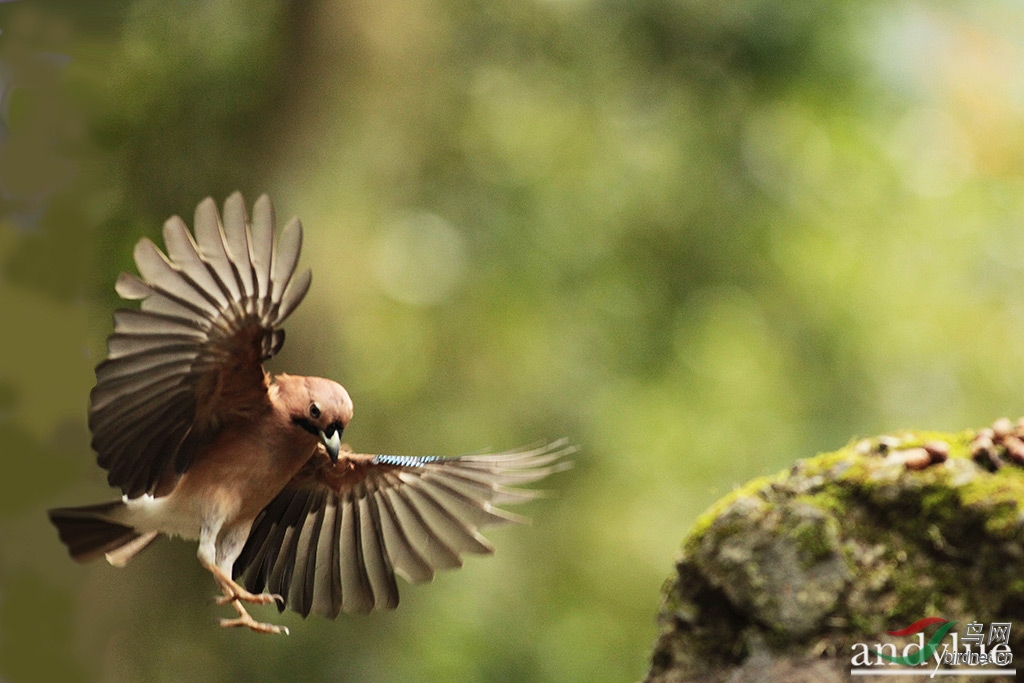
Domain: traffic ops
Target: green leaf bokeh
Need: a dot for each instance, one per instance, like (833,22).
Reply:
(699,239)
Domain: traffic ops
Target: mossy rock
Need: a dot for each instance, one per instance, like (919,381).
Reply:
(779,580)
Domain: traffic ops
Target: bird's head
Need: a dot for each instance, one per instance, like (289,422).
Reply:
(319,406)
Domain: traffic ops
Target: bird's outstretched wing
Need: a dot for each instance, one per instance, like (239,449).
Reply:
(190,360)
(335,537)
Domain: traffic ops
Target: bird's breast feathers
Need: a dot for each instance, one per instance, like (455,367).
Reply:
(231,480)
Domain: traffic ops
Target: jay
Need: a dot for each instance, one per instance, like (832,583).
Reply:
(205,444)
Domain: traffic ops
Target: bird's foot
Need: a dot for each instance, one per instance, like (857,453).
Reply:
(233,591)
(236,592)
(245,619)
(257,626)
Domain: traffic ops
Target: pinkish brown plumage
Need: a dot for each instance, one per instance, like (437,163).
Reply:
(204,444)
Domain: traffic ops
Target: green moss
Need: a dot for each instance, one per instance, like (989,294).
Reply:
(815,541)
(844,546)
(703,522)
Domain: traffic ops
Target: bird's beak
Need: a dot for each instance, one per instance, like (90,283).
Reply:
(332,443)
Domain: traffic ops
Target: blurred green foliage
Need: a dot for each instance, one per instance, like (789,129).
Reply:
(699,239)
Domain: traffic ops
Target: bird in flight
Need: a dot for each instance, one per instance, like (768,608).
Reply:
(207,445)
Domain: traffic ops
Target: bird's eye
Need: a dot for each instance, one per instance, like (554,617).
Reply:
(314,410)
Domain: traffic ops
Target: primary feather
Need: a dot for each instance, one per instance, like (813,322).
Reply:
(336,536)
(210,313)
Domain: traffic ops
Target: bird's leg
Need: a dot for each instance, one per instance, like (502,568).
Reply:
(233,592)
(245,619)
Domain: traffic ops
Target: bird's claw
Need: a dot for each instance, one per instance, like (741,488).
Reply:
(246,596)
(234,595)
(257,626)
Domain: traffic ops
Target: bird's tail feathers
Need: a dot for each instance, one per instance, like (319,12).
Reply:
(91,532)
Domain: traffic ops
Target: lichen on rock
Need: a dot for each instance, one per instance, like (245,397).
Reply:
(780,578)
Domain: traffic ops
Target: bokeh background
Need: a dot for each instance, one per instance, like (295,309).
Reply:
(701,240)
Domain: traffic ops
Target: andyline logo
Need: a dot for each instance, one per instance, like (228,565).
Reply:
(970,653)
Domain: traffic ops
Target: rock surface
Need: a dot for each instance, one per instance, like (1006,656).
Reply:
(782,578)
